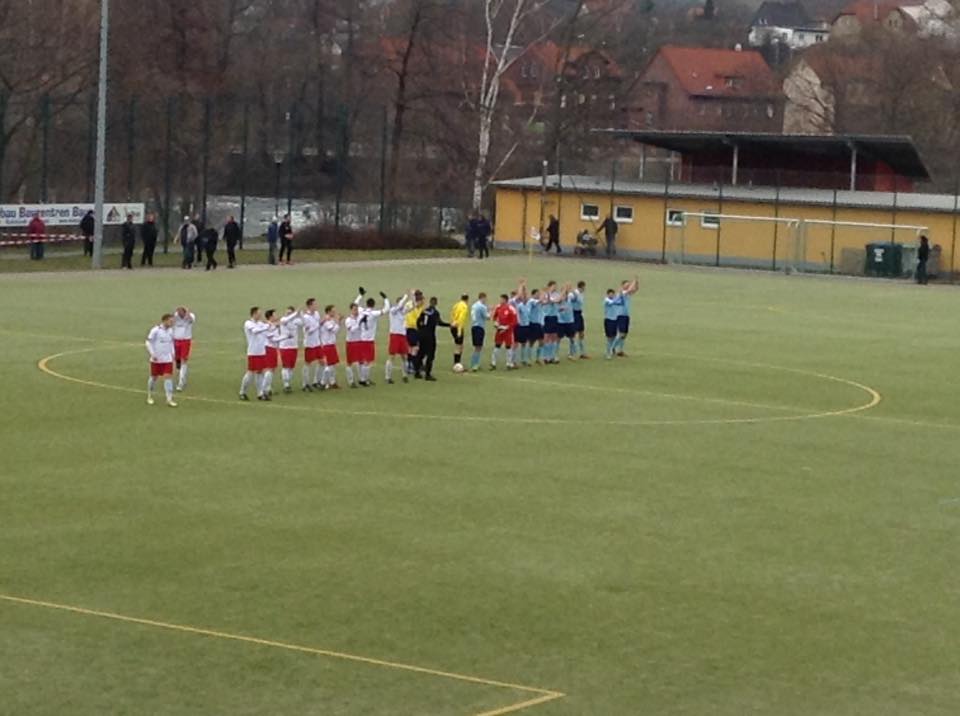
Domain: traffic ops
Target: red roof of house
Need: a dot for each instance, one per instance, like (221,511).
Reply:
(708,72)
(868,11)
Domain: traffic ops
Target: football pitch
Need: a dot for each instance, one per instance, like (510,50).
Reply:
(757,511)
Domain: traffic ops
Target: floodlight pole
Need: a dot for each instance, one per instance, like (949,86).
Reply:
(101,136)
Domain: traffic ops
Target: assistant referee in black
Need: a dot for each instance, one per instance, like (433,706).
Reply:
(427,325)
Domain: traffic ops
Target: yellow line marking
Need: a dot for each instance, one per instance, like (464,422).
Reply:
(523,705)
(875,398)
(544,695)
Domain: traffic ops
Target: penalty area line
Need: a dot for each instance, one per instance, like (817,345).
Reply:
(543,695)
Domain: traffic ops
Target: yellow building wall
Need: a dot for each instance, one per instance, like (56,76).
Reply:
(761,244)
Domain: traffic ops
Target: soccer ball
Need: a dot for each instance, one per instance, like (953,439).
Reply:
(458,368)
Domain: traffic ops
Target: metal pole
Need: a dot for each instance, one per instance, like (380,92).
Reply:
(168,176)
(853,168)
(893,220)
(341,159)
(833,232)
(613,187)
(736,164)
(91,147)
(953,242)
(719,222)
(666,209)
(101,135)
(45,148)
(207,110)
(559,188)
(276,191)
(131,144)
(243,170)
(3,136)
(383,172)
(290,157)
(776,224)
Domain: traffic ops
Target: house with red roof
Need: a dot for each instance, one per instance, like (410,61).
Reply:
(699,88)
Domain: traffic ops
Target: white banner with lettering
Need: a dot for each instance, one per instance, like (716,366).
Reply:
(19,215)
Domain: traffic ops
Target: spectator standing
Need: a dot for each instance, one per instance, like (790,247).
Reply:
(187,236)
(88,227)
(273,233)
(286,239)
(553,234)
(210,239)
(148,235)
(610,229)
(483,232)
(470,236)
(37,233)
(232,235)
(128,236)
(201,236)
(923,255)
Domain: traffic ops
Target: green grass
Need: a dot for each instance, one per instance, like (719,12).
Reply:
(14,261)
(664,534)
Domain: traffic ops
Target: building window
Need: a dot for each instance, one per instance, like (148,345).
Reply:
(582,99)
(770,111)
(710,221)
(613,102)
(563,101)
(589,212)
(623,214)
(596,73)
(674,217)
(733,82)
(648,118)
(524,70)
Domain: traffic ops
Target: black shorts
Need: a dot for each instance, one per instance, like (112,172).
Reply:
(610,328)
(550,324)
(413,337)
(535,332)
(566,330)
(457,334)
(477,334)
(578,321)
(521,334)
(623,325)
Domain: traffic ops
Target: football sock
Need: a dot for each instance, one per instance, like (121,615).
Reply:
(306,374)
(245,383)
(151,384)
(457,358)
(493,356)
(183,375)
(389,369)
(268,381)
(168,389)
(285,374)
(258,378)
(349,375)
(475,360)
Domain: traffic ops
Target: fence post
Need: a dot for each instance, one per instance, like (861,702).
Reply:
(243,169)
(167,175)
(953,241)
(893,231)
(341,159)
(3,137)
(207,111)
(776,224)
(833,233)
(290,158)
(719,222)
(45,156)
(663,219)
(383,171)
(131,144)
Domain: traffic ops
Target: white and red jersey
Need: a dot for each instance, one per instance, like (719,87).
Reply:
(290,326)
(398,317)
(160,344)
(256,333)
(311,329)
(354,329)
(273,336)
(370,320)
(328,332)
(183,326)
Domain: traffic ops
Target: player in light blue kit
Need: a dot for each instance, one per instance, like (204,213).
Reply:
(627,289)
(576,303)
(535,332)
(612,305)
(565,325)
(522,331)
(479,315)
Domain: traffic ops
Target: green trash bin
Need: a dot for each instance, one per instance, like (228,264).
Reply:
(884,260)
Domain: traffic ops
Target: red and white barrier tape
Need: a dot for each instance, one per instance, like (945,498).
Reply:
(27,239)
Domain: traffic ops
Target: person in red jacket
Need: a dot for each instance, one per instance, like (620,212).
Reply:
(37,231)
(505,317)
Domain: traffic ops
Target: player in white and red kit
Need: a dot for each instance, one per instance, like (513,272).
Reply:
(255,331)
(290,325)
(369,321)
(354,337)
(398,337)
(312,354)
(160,348)
(183,320)
(328,344)
(272,355)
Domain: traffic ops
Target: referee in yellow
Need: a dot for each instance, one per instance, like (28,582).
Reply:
(413,335)
(459,315)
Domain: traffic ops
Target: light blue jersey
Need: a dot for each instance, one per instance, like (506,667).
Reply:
(479,315)
(523,312)
(550,307)
(576,301)
(535,310)
(565,309)
(612,307)
(625,310)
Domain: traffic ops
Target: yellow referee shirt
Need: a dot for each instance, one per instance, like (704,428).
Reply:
(459,315)
(414,316)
